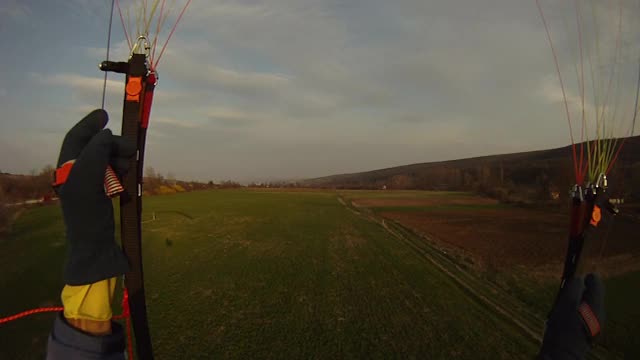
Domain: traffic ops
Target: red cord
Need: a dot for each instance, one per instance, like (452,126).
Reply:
(124,27)
(126,315)
(30,312)
(44,310)
(173,29)
(129,339)
(155,38)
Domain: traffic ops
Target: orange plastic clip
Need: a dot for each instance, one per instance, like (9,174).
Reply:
(596,216)
(134,88)
(62,173)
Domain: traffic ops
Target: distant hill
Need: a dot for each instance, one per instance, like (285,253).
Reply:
(518,177)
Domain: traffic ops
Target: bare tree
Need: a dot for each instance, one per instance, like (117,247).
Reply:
(171,178)
(150,172)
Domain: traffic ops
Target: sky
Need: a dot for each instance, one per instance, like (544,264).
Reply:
(255,90)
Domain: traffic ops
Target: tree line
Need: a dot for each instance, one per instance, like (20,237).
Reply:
(16,189)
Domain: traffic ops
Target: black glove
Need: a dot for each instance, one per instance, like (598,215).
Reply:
(576,319)
(92,254)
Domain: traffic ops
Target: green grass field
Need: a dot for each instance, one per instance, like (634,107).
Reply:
(255,274)
(536,293)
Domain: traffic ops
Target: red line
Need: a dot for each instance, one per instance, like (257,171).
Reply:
(124,27)
(171,33)
(129,338)
(26,313)
(564,96)
(126,312)
(155,39)
(30,312)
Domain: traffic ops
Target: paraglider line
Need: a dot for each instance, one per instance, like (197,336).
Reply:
(582,135)
(633,123)
(155,38)
(104,84)
(564,95)
(173,29)
(124,27)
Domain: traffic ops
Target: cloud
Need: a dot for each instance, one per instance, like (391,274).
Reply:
(226,9)
(171,122)
(234,117)
(91,87)
(83,84)
(243,80)
(295,88)
(14,10)
(119,51)
(87,8)
(424,89)
(551,91)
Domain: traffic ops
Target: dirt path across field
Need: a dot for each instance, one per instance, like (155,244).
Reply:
(494,298)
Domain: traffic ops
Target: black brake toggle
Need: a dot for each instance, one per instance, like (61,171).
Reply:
(120,67)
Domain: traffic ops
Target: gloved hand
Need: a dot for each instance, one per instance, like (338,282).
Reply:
(92,254)
(576,319)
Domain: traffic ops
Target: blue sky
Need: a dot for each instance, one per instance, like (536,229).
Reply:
(253,90)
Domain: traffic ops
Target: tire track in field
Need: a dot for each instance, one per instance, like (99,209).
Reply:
(519,316)
(535,335)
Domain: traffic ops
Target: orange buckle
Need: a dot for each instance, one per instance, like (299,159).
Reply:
(134,88)
(62,173)
(596,216)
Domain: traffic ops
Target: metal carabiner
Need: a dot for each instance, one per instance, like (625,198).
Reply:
(141,46)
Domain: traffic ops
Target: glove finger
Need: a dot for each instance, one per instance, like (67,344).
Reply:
(79,135)
(594,295)
(89,169)
(122,147)
(120,165)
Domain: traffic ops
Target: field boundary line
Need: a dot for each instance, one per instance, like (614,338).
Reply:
(515,317)
(534,335)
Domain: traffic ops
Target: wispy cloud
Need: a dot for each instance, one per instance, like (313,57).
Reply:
(91,87)
(172,122)
(14,10)
(119,51)
(243,80)
(79,83)
(321,86)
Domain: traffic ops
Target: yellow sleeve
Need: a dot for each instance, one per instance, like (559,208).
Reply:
(89,302)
